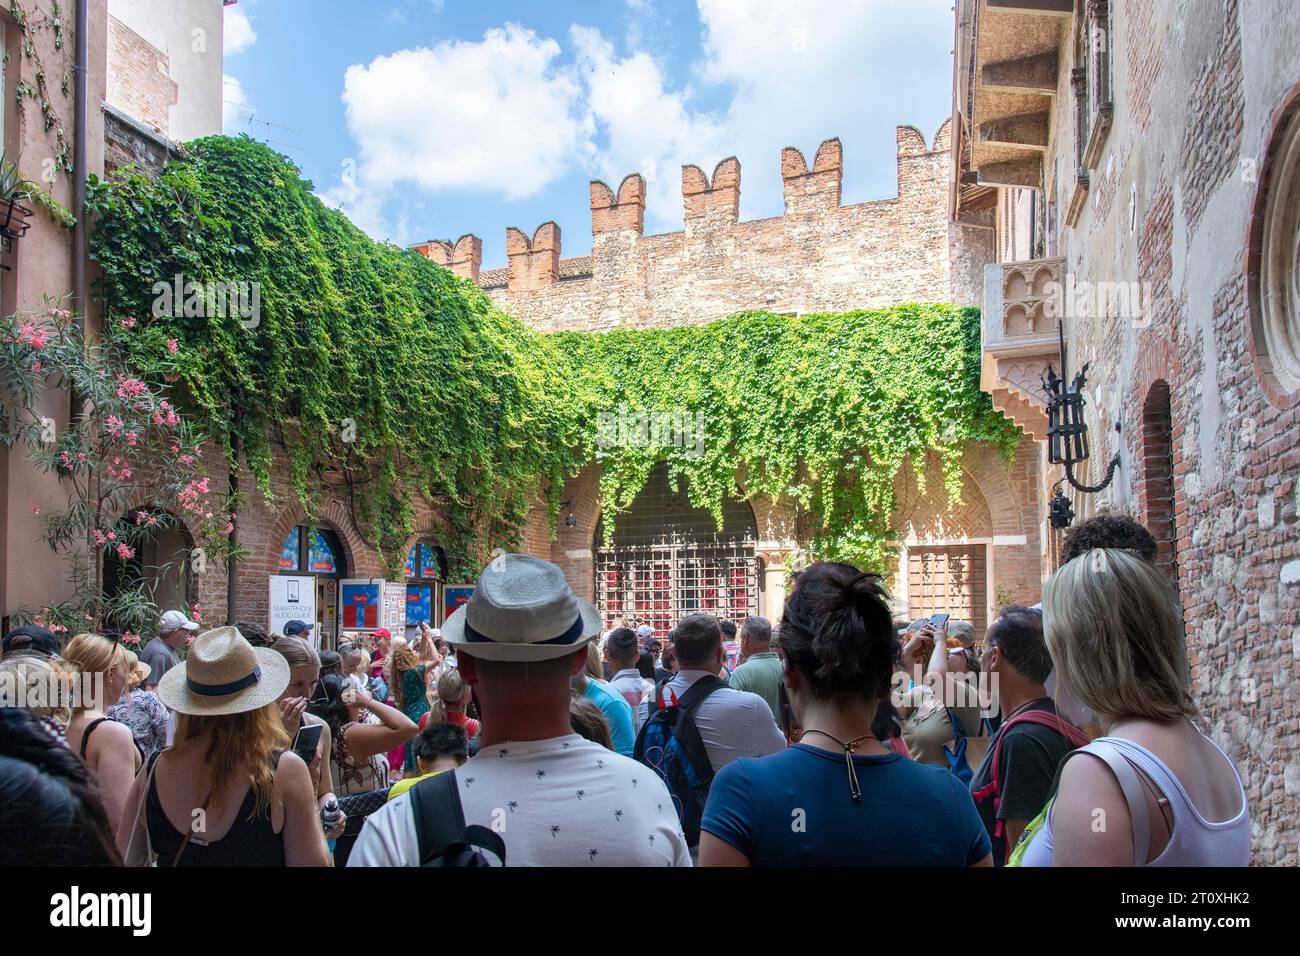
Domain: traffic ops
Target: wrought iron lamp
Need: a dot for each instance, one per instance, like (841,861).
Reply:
(1067,436)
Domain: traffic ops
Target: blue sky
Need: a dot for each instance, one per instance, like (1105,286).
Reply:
(427,119)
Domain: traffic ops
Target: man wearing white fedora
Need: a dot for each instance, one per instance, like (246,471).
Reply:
(553,798)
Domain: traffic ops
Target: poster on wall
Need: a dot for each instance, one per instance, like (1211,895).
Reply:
(360,603)
(419,604)
(293,598)
(395,606)
(453,596)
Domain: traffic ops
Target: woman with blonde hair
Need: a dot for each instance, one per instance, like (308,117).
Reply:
(304,686)
(107,746)
(409,684)
(449,706)
(1170,796)
(228,792)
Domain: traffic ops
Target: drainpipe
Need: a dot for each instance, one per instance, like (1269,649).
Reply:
(80,286)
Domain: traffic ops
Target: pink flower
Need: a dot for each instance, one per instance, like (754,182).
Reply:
(112,536)
(128,322)
(114,425)
(36,508)
(125,552)
(36,367)
(172,346)
(152,521)
(98,536)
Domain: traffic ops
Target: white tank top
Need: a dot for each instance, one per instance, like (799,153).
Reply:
(1194,841)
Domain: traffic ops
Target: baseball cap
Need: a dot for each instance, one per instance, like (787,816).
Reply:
(383,632)
(644,631)
(31,639)
(171,620)
(295,627)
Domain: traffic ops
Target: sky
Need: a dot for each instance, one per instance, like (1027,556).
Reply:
(429,119)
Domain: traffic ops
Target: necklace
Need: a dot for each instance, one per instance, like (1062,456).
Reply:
(854,790)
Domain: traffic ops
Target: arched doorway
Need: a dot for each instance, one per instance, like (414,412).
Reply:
(316,550)
(1158,477)
(159,567)
(667,560)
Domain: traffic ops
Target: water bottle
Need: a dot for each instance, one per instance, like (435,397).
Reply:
(330,814)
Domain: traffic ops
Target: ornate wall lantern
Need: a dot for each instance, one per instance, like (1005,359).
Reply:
(1067,436)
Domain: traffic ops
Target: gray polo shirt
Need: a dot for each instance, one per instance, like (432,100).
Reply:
(160,659)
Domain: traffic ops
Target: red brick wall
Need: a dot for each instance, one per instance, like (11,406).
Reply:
(139,83)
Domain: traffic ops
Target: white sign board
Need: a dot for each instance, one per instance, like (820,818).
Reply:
(395,607)
(293,598)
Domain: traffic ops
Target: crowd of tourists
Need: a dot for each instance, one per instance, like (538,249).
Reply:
(525,732)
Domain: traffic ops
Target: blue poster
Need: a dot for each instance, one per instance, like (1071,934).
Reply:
(361,605)
(453,596)
(419,604)
(410,562)
(289,551)
(320,557)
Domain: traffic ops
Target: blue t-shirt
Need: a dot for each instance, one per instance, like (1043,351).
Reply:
(794,808)
(616,710)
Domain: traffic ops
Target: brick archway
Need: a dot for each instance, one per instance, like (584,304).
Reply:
(359,556)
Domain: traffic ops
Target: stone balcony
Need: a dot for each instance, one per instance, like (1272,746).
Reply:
(1019,338)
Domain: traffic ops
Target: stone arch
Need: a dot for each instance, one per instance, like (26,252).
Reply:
(360,557)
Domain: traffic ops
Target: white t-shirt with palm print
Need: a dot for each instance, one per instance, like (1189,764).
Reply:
(560,802)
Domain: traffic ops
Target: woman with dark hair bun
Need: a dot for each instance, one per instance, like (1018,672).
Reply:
(841,796)
(51,813)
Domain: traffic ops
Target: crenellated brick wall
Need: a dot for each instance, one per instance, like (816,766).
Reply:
(820,256)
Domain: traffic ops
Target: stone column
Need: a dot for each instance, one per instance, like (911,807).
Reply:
(773,555)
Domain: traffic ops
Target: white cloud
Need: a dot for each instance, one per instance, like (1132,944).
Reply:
(797,72)
(234,105)
(237,33)
(496,115)
(649,128)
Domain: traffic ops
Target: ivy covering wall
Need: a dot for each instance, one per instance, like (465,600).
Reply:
(386,377)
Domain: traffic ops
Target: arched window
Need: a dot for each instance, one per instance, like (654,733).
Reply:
(667,560)
(1158,477)
(310,549)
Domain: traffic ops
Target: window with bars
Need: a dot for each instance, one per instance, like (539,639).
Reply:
(667,559)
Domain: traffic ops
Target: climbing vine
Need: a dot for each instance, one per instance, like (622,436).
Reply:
(383,377)
(819,410)
(38,91)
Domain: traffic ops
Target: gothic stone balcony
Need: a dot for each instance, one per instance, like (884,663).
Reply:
(1018,338)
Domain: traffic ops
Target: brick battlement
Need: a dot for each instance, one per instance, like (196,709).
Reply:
(818,255)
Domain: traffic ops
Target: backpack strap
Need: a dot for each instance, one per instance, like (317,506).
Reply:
(440,820)
(1071,733)
(696,693)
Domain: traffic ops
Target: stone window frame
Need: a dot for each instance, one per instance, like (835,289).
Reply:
(1092,86)
(1273,257)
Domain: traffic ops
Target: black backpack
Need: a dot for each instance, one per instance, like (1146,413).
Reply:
(670,744)
(444,838)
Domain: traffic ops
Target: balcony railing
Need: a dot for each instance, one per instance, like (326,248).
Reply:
(1019,338)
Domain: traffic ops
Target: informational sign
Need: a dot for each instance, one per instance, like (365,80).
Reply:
(360,603)
(293,598)
(419,604)
(453,596)
(395,606)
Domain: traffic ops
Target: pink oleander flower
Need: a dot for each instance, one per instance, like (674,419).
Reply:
(132,439)
(125,552)
(172,346)
(128,322)
(130,387)
(36,367)
(114,426)
(98,536)
(112,536)
(152,521)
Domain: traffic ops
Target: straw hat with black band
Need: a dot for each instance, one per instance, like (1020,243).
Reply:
(224,674)
(522,610)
